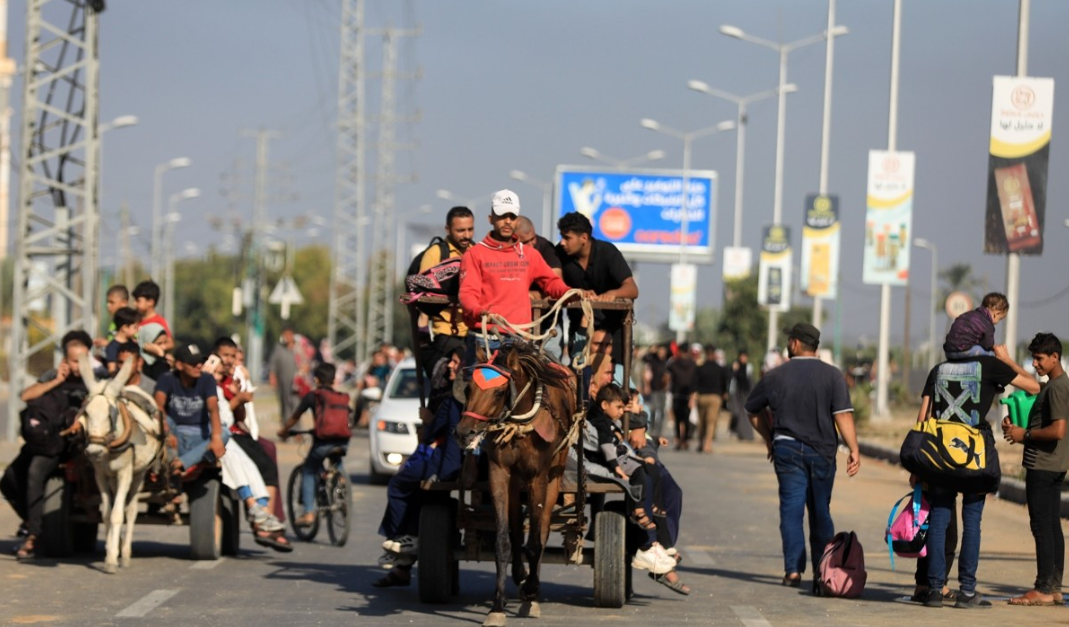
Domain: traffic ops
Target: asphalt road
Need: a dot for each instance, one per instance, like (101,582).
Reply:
(729,541)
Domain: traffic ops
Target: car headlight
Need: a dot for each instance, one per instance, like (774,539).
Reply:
(387,426)
(394,459)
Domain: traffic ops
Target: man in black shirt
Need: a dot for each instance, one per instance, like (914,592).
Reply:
(655,386)
(809,401)
(712,388)
(741,386)
(683,373)
(525,233)
(592,264)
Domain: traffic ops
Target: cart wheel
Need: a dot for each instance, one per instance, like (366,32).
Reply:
(56,537)
(296,510)
(231,511)
(437,569)
(610,566)
(206,518)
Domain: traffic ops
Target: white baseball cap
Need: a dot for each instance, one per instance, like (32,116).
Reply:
(504,202)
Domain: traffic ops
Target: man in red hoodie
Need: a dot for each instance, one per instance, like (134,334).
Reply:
(497,273)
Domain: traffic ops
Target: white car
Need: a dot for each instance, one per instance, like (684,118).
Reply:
(392,430)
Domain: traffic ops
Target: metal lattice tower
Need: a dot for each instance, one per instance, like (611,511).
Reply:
(346,321)
(56,236)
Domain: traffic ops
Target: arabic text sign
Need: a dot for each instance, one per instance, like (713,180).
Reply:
(889,219)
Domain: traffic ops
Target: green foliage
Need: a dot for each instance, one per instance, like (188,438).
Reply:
(861,399)
(958,278)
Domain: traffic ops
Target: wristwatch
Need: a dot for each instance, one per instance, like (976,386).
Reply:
(1027,435)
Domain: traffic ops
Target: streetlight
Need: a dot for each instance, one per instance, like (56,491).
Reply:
(547,191)
(740,143)
(687,138)
(933,357)
(783,50)
(172,218)
(620,164)
(157,208)
(122,121)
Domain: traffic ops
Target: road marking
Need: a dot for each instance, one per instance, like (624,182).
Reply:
(749,616)
(147,603)
(206,564)
(697,556)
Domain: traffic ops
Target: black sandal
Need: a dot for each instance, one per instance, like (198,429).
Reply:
(274,539)
(27,552)
(639,517)
(678,586)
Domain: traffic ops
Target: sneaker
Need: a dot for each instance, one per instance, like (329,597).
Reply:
(974,601)
(389,559)
(934,599)
(407,545)
(653,559)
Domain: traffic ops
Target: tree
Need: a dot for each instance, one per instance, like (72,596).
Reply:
(958,278)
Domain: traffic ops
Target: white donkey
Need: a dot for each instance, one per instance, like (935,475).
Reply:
(122,444)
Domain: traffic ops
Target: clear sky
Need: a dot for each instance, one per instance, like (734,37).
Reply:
(523,85)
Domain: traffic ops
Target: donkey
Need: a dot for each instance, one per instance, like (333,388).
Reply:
(122,443)
(524,435)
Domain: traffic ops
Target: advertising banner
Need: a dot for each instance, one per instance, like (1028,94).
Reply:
(1021,112)
(640,211)
(889,219)
(683,301)
(774,273)
(820,246)
(738,261)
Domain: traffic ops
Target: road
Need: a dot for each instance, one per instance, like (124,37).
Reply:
(729,541)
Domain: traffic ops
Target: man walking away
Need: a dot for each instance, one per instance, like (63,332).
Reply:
(1046,459)
(655,386)
(683,372)
(283,373)
(712,388)
(808,400)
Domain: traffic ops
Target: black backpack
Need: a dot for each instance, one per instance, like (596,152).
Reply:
(441,279)
(43,419)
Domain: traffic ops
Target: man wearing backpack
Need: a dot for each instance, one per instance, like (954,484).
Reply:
(330,409)
(447,325)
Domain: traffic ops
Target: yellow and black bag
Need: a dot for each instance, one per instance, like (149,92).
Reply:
(953,456)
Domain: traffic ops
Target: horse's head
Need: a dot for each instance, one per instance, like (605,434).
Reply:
(106,421)
(491,395)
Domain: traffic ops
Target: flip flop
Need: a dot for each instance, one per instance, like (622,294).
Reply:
(274,540)
(678,587)
(1029,599)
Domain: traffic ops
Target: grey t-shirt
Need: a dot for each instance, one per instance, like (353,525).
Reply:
(1051,404)
(284,366)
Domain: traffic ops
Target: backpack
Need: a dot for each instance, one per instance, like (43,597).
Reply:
(332,415)
(842,567)
(42,420)
(441,279)
(908,533)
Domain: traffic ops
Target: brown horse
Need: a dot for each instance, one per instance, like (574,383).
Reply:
(521,405)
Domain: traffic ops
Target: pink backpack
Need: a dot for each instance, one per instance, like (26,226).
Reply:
(908,533)
(842,567)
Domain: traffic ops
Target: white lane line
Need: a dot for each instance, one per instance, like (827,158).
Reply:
(206,564)
(749,616)
(147,603)
(695,556)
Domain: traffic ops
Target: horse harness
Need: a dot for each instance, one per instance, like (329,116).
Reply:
(508,425)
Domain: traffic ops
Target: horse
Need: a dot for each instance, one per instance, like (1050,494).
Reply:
(524,435)
(122,443)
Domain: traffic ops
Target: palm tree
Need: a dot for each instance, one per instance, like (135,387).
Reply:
(958,278)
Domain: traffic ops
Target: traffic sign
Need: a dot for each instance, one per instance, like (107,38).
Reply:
(958,303)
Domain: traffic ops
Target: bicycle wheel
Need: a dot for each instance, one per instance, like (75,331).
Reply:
(340,498)
(296,508)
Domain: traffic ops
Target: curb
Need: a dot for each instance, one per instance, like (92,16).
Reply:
(1011,490)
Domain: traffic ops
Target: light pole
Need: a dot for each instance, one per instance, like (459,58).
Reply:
(620,164)
(687,138)
(157,209)
(740,141)
(172,218)
(933,355)
(783,50)
(547,191)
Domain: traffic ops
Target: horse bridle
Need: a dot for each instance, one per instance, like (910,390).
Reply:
(506,414)
(114,441)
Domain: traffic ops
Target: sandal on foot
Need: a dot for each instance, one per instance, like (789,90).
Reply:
(272,539)
(27,551)
(677,586)
(1031,599)
(791,582)
(639,517)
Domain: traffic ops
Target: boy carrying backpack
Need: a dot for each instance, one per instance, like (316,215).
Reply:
(333,428)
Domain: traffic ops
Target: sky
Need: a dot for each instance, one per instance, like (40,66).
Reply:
(505,84)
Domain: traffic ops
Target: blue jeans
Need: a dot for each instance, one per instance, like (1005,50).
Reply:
(313,465)
(805,483)
(972,510)
(193,443)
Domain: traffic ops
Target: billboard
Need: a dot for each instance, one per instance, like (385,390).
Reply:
(820,246)
(774,273)
(640,211)
(889,218)
(683,299)
(1021,112)
(737,263)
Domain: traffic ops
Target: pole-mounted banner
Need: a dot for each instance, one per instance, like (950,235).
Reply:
(889,219)
(774,275)
(1021,113)
(820,246)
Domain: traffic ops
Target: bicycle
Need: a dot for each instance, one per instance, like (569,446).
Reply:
(334,499)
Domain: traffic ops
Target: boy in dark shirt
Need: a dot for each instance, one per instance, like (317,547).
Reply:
(125,321)
(973,332)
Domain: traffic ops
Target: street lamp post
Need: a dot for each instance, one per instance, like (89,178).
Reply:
(740,141)
(933,356)
(172,218)
(157,209)
(620,164)
(547,191)
(783,50)
(687,138)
